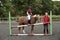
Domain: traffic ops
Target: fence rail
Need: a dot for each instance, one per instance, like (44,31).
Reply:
(54,18)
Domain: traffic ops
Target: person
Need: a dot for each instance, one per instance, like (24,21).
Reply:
(46,21)
(29,13)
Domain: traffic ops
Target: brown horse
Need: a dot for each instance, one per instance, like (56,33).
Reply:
(23,21)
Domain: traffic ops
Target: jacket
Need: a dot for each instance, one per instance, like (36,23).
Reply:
(46,19)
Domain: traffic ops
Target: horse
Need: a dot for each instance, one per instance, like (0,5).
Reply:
(23,21)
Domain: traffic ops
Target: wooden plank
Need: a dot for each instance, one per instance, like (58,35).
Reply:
(30,34)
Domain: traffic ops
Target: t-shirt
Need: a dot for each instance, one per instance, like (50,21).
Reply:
(29,17)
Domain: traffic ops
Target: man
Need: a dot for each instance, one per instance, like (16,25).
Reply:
(46,21)
(29,13)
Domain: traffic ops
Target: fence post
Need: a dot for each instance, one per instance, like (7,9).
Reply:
(50,22)
(10,23)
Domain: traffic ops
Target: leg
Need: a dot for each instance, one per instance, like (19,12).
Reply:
(44,28)
(32,29)
(23,29)
(47,28)
(19,29)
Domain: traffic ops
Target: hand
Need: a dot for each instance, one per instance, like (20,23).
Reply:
(49,23)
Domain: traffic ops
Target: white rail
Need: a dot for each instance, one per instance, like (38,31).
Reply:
(26,25)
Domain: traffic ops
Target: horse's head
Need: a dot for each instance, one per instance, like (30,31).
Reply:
(36,16)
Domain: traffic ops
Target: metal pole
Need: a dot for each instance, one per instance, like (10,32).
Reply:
(10,23)
(50,22)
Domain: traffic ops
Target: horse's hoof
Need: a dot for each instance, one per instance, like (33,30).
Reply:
(24,31)
(30,35)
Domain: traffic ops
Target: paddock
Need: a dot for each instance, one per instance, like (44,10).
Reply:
(4,32)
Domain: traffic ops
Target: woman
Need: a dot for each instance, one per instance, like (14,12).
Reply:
(46,21)
(29,13)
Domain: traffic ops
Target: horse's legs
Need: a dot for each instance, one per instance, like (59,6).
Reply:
(23,29)
(19,29)
(32,29)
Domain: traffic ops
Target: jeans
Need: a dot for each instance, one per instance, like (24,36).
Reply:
(45,28)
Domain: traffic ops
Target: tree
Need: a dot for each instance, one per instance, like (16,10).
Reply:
(47,6)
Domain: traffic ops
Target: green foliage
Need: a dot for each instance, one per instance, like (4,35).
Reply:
(19,7)
(56,8)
